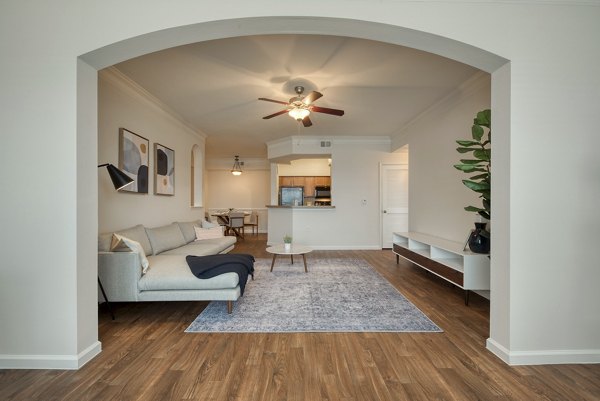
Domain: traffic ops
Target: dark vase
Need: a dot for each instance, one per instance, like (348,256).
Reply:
(479,240)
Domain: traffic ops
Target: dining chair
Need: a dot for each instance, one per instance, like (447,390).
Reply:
(252,222)
(236,224)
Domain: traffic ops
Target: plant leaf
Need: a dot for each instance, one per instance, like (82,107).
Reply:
(477,186)
(484,118)
(477,132)
(468,168)
(485,215)
(471,161)
(467,143)
(464,150)
(478,177)
(481,154)
(474,209)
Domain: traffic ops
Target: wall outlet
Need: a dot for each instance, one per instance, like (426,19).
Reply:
(363,202)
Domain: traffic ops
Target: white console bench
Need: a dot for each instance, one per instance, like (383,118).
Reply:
(446,259)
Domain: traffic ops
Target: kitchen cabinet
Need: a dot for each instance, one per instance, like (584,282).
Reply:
(322,181)
(308,182)
(309,186)
(286,181)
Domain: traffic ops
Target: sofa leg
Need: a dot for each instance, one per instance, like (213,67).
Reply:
(229,307)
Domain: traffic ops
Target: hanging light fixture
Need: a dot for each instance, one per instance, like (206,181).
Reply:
(298,113)
(237,168)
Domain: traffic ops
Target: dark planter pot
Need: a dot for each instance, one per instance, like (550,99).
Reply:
(479,240)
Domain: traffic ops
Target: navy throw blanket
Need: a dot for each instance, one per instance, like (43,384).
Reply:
(210,266)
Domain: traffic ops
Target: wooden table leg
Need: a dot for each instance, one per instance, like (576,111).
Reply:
(304,257)
(273,262)
(292,256)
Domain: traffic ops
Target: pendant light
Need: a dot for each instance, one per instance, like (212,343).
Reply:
(237,168)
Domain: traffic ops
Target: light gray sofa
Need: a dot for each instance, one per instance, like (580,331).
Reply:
(168,277)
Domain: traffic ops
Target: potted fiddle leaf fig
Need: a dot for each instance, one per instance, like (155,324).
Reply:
(477,162)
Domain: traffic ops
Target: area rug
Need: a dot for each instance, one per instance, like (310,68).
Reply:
(335,295)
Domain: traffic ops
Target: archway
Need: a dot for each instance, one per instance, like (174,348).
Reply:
(486,61)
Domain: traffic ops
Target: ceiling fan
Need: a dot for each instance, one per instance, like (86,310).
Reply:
(299,107)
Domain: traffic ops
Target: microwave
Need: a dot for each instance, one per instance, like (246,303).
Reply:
(322,192)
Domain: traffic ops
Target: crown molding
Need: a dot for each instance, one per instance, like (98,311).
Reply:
(346,139)
(474,83)
(112,75)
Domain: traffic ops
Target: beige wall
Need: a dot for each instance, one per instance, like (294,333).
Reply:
(437,196)
(300,167)
(249,191)
(121,104)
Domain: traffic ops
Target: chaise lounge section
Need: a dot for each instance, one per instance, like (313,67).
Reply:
(168,277)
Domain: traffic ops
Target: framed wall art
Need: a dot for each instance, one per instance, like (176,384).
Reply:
(164,170)
(133,160)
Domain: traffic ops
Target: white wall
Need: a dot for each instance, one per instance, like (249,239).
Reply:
(354,176)
(546,310)
(122,104)
(437,196)
(305,167)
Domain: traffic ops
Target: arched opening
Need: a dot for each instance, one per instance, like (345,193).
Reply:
(101,58)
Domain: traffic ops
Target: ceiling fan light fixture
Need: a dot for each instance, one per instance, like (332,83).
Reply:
(298,113)
(237,168)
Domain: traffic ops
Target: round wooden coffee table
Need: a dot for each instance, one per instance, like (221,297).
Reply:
(294,250)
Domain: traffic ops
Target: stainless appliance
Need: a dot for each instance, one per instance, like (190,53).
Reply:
(323,195)
(291,196)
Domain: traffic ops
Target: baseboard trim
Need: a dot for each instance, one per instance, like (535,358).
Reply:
(546,357)
(60,362)
(336,247)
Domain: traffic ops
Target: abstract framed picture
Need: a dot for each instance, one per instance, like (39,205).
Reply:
(164,170)
(134,153)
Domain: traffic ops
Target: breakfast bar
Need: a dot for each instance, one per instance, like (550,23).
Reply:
(300,222)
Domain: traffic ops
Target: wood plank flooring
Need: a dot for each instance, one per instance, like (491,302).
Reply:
(147,356)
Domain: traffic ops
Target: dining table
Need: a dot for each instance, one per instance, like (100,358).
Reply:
(223,219)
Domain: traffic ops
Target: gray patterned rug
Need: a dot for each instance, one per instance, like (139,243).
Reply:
(335,295)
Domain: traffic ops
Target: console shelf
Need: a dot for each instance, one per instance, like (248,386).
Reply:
(446,259)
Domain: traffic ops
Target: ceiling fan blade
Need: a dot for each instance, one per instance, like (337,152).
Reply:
(271,100)
(311,97)
(275,114)
(306,121)
(326,110)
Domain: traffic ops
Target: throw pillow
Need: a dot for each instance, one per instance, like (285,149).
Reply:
(124,244)
(208,224)
(208,233)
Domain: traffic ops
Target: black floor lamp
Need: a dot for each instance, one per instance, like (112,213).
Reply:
(119,180)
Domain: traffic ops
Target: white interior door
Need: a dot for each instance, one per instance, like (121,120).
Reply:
(394,201)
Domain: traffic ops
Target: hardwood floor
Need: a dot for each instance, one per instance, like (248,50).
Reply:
(147,356)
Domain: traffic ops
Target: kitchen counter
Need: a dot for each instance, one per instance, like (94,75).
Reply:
(306,224)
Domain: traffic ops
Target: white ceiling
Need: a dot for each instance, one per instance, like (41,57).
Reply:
(215,86)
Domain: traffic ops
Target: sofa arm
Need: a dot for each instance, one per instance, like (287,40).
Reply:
(119,273)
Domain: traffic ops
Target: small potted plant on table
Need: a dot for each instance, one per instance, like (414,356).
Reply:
(287,242)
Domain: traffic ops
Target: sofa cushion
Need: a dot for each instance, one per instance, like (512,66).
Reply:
(124,244)
(136,233)
(203,247)
(208,233)
(187,229)
(165,238)
(171,272)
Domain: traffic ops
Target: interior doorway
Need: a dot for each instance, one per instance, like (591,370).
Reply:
(393,188)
